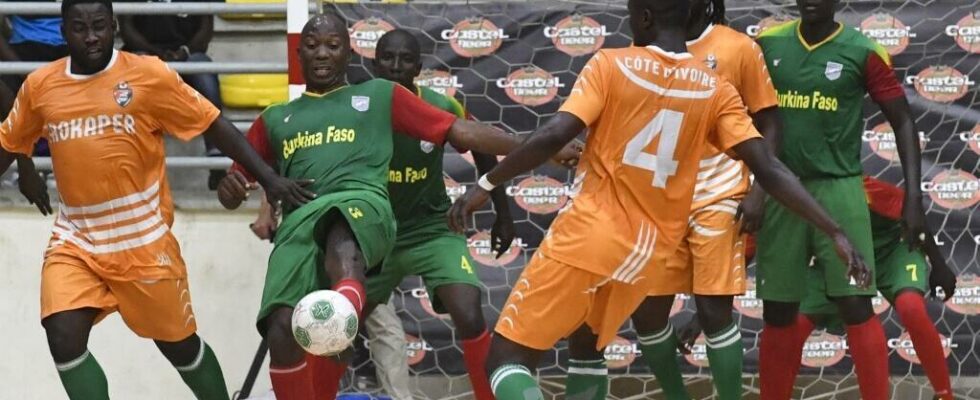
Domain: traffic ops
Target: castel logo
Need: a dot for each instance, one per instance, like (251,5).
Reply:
(539,194)
(426,302)
(766,23)
(440,81)
(453,189)
(620,353)
(972,138)
(888,31)
(823,350)
(699,352)
(879,304)
(415,349)
(747,304)
(577,35)
(942,84)
(364,35)
(474,37)
(530,86)
(966,301)
(953,189)
(881,139)
(903,346)
(967,32)
(480,250)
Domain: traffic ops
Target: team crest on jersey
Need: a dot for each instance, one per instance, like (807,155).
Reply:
(123,94)
(360,103)
(833,70)
(427,146)
(711,61)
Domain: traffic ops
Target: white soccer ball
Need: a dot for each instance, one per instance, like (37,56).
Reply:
(324,323)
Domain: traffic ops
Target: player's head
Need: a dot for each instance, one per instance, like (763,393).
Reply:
(649,17)
(817,10)
(398,57)
(324,52)
(89,29)
(708,12)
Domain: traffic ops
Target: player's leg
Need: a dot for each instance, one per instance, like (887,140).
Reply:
(588,376)
(198,366)
(724,342)
(658,343)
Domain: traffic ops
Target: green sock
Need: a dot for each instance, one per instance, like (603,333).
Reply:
(83,378)
(587,380)
(514,382)
(204,377)
(660,353)
(725,361)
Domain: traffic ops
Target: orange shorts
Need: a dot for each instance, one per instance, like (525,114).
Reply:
(155,309)
(551,300)
(710,259)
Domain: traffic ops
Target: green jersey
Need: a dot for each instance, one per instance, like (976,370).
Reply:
(821,90)
(415,179)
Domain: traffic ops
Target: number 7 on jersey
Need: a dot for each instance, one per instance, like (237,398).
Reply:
(662,164)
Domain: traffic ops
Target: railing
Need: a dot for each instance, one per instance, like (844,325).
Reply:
(44,163)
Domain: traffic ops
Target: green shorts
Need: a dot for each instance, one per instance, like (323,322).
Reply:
(440,257)
(296,263)
(786,243)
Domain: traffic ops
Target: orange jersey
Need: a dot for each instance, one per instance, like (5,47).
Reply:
(739,60)
(106,137)
(650,114)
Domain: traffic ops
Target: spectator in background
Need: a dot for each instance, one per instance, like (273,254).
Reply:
(179,37)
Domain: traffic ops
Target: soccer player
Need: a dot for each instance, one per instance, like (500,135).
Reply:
(341,136)
(822,71)
(709,262)
(104,113)
(651,110)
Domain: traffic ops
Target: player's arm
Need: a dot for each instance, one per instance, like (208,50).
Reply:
(202,38)
(31,185)
(502,233)
(751,210)
(886,91)
(6,52)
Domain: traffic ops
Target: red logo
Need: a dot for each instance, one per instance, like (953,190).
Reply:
(530,86)
(699,353)
(953,189)
(440,81)
(453,189)
(577,35)
(966,301)
(766,23)
(475,37)
(415,349)
(972,138)
(942,84)
(967,32)
(539,194)
(366,33)
(747,304)
(888,31)
(823,350)
(479,245)
(423,297)
(881,139)
(903,346)
(621,353)
(123,94)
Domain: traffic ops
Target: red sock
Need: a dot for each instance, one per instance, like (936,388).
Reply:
(911,309)
(353,291)
(475,352)
(327,373)
(780,353)
(803,328)
(866,342)
(292,383)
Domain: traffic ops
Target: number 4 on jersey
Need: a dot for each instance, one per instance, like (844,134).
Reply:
(662,164)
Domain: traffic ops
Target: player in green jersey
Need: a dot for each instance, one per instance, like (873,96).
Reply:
(339,136)
(822,71)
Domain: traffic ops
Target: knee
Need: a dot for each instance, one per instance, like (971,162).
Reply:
(779,314)
(279,328)
(582,344)
(65,341)
(855,310)
(714,313)
(182,352)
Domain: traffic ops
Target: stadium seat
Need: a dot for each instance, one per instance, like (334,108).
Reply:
(254,90)
(253,16)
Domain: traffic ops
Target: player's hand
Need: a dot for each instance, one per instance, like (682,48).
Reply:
(265,224)
(472,200)
(568,156)
(33,187)
(233,190)
(941,278)
(913,221)
(282,192)
(856,268)
(752,210)
(688,335)
(502,234)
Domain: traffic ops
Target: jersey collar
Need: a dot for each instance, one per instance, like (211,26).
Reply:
(703,35)
(311,94)
(112,61)
(670,54)
(812,47)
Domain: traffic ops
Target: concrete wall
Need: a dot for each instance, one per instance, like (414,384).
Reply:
(226,265)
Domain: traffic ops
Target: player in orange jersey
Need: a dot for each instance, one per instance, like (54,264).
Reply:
(709,262)
(104,113)
(651,110)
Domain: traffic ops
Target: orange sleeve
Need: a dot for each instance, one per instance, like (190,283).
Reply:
(733,125)
(23,125)
(756,87)
(588,96)
(179,110)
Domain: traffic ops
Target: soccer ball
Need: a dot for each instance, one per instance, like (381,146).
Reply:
(324,323)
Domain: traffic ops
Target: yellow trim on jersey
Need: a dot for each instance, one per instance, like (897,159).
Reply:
(808,47)
(880,50)
(777,29)
(311,94)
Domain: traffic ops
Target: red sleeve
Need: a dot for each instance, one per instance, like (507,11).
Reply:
(883,198)
(258,137)
(879,79)
(414,117)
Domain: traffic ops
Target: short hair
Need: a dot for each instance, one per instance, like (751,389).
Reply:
(68,4)
(412,41)
(325,15)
